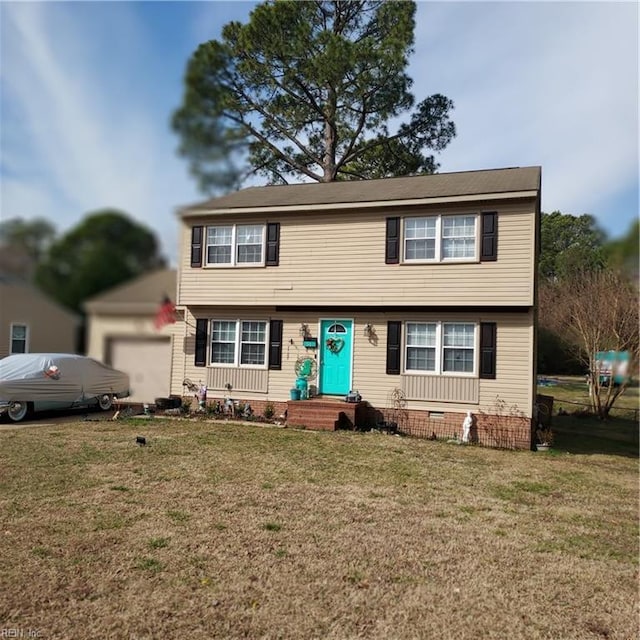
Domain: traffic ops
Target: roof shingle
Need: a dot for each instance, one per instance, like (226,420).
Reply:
(488,181)
(140,295)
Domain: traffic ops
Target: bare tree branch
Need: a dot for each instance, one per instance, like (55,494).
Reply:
(595,312)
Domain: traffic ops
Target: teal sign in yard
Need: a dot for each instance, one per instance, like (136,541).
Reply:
(613,363)
(335,356)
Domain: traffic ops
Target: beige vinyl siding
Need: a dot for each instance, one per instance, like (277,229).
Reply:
(465,390)
(239,378)
(182,354)
(341,257)
(515,380)
(514,383)
(50,328)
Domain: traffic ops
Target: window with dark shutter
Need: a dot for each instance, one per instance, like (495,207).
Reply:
(275,344)
(394,333)
(273,244)
(196,246)
(489,237)
(392,246)
(201,343)
(488,350)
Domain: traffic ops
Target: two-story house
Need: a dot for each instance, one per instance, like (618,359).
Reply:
(420,293)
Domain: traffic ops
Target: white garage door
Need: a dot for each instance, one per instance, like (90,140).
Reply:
(148,363)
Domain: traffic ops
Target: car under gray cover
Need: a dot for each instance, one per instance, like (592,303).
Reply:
(42,381)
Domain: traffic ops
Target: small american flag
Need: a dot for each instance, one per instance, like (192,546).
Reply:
(166,313)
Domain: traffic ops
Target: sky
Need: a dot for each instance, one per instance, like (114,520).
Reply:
(87,90)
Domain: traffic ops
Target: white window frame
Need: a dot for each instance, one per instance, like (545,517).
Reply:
(26,337)
(439,239)
(407,346)
(237,350)
(440,347)
(234,246)
(235,342)
(473,349)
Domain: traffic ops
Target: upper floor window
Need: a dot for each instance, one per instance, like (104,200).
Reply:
(239,342)
(235,245)
(440,238)
(441,347)
(19,338)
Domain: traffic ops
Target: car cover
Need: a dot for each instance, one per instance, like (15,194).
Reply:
(58,377)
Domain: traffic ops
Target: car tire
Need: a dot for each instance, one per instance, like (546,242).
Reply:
(105,401)
(18,410)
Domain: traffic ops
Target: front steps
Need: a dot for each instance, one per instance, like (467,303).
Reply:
(326,414)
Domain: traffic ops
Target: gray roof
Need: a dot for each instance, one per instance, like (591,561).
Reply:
(11,286)
(142,295)
(464,183)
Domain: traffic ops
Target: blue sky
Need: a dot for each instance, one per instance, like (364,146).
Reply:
(88,89)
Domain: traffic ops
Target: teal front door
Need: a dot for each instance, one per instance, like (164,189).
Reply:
(335,356)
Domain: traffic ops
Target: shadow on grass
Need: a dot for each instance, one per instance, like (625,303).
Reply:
(588,435)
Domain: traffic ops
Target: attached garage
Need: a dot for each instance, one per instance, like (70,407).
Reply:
(148,363)
(121,333)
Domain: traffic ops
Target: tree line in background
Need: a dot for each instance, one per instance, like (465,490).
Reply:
(588,302)
(103,250)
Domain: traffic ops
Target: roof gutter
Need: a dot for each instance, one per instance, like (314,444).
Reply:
(376,204)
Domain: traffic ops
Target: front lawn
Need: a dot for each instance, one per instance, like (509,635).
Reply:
(221,530)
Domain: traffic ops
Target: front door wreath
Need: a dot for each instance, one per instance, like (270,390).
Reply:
(335,345)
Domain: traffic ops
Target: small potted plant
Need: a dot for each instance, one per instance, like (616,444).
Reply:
(545,438)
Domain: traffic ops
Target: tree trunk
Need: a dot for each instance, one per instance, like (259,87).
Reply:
(329,171)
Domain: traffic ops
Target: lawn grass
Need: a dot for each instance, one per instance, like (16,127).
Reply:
(220,530)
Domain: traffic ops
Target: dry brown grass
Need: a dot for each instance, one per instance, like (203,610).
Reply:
(218,530)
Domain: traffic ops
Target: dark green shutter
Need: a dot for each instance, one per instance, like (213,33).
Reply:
(488,350)
(275,344)
(489,236)
(273,244)
(201,343)
(394,335)
(196,246)
(392,245)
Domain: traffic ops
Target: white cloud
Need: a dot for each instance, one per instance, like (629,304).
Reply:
(87,95)
(88,139)
(554,84)
(63,112)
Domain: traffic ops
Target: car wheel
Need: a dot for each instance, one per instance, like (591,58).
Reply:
(18,410)
(105,401)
